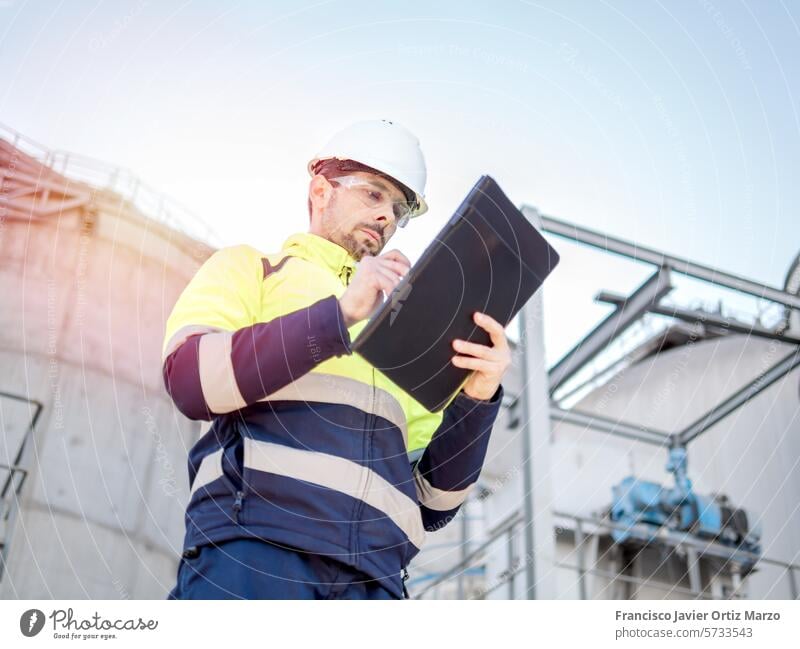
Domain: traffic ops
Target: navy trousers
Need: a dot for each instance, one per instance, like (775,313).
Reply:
(255,569)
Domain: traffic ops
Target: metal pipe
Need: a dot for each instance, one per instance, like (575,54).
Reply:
(463,552)
(792,582)
(693,568)
(619,428)
(701,317)
(678,264)
(739,398)
(644,532)
(581,560)
(527,463)
(649,293)
(510,559)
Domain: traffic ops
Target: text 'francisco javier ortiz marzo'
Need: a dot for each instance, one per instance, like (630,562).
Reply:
(695,616)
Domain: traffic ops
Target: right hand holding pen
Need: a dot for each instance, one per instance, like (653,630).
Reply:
(374,277)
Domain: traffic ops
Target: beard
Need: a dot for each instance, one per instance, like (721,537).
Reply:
(346,240)
(356,248)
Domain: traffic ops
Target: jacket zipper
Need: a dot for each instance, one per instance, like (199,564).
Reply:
(371,431)
(368,432)
(237,505)
(238,490)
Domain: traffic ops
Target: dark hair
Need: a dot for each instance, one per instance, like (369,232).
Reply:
(333,167)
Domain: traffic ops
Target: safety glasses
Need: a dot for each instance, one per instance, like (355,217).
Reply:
(374,196)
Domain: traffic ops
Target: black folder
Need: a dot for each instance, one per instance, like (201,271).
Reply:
(487,258)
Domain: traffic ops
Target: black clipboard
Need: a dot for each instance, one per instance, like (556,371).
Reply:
(487,258)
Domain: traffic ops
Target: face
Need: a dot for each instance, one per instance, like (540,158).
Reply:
(358,218)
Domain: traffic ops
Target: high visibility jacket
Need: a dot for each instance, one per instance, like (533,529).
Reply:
(309,444)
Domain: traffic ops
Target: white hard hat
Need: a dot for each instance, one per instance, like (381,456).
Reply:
(384,146)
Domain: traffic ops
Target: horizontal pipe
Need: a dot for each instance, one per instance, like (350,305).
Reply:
(740,397)
(603,424)
(678,264)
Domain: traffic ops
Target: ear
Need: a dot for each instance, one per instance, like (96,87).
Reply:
(320,192)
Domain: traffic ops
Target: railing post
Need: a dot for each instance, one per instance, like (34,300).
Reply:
(792,581)
(579,538)
(463,553)
(511,568)
(693,568)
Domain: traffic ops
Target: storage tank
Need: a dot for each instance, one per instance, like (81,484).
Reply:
(93,453)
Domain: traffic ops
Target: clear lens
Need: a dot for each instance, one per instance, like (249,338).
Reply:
(401,211)
(373,196)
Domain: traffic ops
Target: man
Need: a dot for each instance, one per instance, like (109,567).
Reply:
(319,477)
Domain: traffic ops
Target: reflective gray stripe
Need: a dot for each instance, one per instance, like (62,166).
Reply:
(331,388)
(342,475)
(438,499)
(210,469)
(180,336)
(217,378)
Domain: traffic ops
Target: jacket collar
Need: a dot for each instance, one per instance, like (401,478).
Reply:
(322,252)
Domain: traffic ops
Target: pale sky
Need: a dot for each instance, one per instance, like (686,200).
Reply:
(673,124)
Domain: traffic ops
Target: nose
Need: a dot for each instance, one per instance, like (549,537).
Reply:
(385,220)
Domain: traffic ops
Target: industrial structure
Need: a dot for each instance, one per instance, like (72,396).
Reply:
(670,468)
(657,459)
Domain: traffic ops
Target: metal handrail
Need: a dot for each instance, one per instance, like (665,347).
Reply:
(6,501)
(120,180)
(504,527)
(508,524)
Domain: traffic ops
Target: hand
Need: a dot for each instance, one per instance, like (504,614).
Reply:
(374,276)
(489,363)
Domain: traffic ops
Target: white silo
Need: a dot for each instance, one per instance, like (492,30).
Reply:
(94,489)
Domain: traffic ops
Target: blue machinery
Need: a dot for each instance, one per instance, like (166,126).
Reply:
(680,509)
